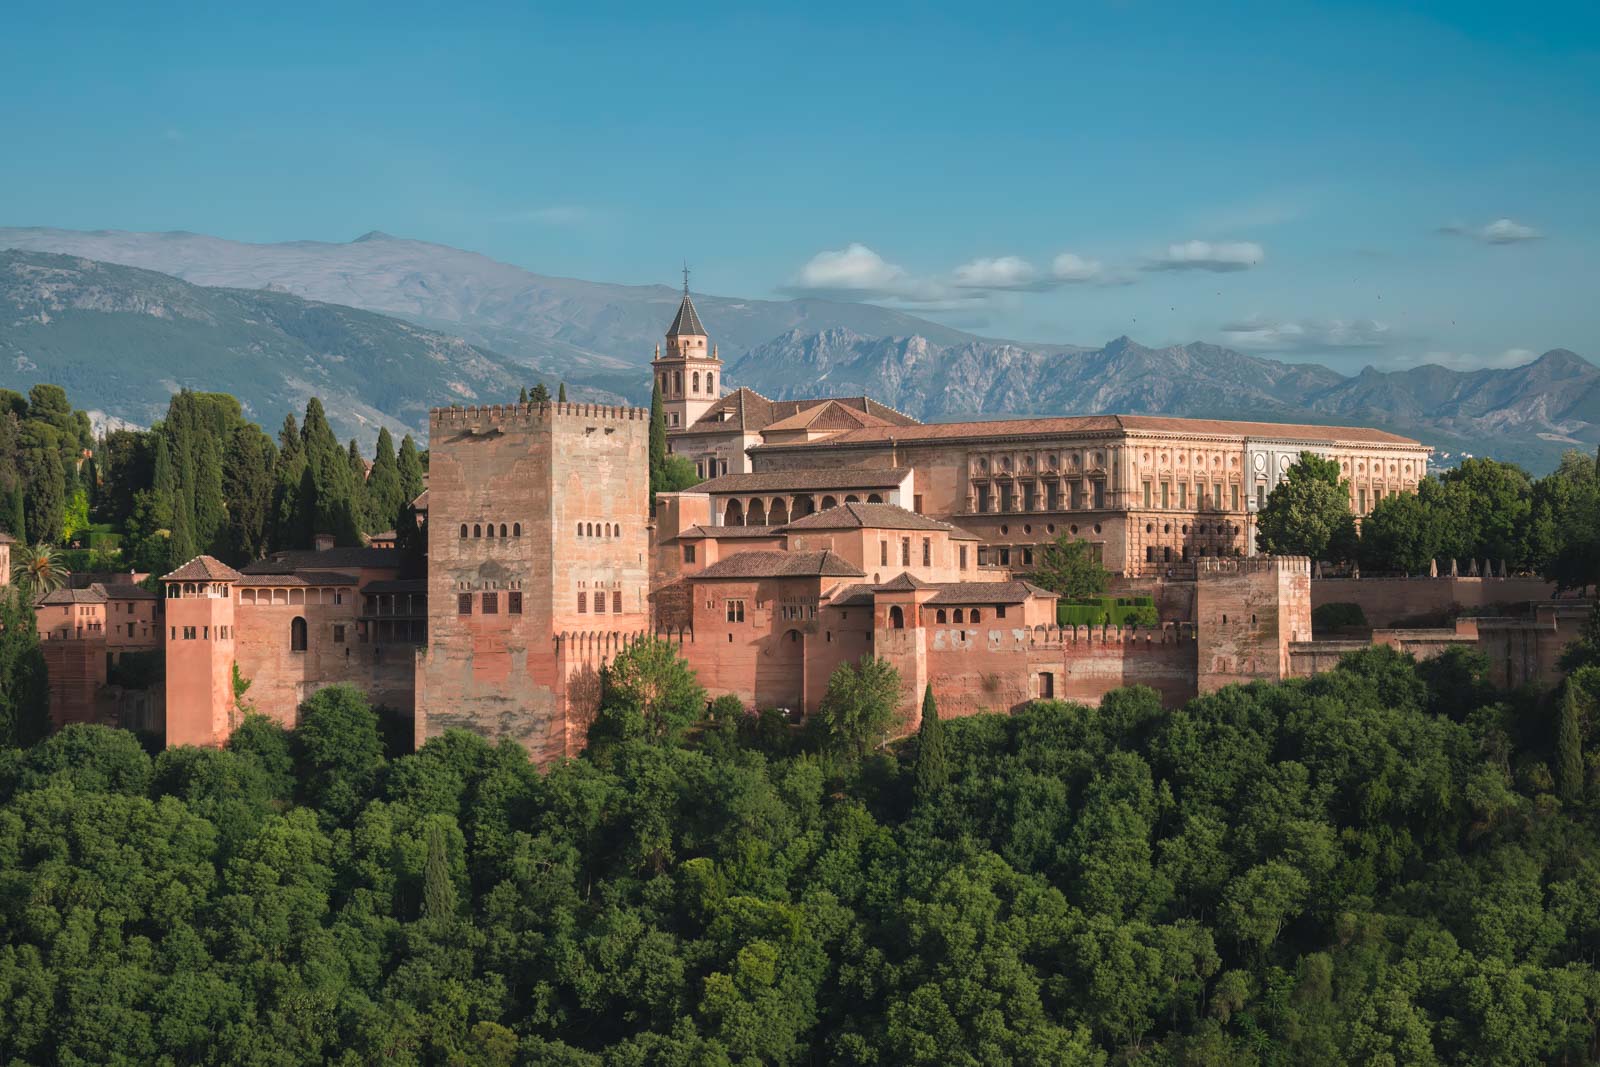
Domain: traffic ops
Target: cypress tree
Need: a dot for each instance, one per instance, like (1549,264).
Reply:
(561,396)
(287,509)
(210,510)
(24,685)
(182,540)
(438,891)
(522,395)
(13,515)
(933,763)
(1569,747)
(360,504)
(658,440)
(45,498)
(332,503)
(384,494)
(250,482)
(411,475)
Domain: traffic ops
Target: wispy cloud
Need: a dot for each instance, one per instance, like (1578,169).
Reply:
(854,270)
(1498,232)
(552,215)
(1070,268)
(1306,335)
(1001,272)
(1218,256)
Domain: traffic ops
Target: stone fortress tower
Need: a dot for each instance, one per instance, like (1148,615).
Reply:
(537,568)
(200,652)
(690,374)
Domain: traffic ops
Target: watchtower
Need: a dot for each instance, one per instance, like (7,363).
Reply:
(536,533)
(200,652)
(690,374)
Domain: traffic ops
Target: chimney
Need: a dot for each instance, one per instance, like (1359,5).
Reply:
(322,542)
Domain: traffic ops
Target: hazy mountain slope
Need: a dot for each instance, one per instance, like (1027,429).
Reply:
(1529,414)
(593,328)
(121,340)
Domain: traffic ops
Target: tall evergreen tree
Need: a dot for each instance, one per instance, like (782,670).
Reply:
(522,395)
(412,480)
(289,511)
(933,760)
(45,495)
(360,504)
(210,508)
(438,890)
(1569,746)
(658,439)
(332,502)
(539,394)
(561,396)
(384,493)
(249,483)
(24,687)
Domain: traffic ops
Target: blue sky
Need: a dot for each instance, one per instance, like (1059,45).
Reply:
(1345,183)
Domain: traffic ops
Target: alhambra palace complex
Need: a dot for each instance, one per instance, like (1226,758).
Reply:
(825,530)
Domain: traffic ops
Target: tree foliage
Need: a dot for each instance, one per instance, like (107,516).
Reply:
(1308,512)
(1069,568)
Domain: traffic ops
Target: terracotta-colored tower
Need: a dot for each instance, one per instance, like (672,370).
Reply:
(199,620)
(690,374)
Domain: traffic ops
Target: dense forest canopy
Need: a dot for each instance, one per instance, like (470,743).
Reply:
(204,479)
(1389,863)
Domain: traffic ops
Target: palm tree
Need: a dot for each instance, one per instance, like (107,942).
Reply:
(38,569)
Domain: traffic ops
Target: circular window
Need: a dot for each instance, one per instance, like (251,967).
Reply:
(1027,463)
(1027,527)
(1005,529)
(983,464)
(1097,527)
(1050,528)
(1149,527)
(1052,461)
(1073,528)
(1167,528)
(1186,528)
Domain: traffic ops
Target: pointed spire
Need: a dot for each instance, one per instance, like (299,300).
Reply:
(687,322)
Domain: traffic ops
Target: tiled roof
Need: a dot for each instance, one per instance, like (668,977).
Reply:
(203,569)
(297,578)
(421,503)
(747,410)
(781,565)
(905,581)
(805,480)
(7,539)
(829,415)
(687,321)
(987,593)
(851,596)
(868,517)
(124,591)
(311,559)
(74,596)
(1103,424)
(727,533)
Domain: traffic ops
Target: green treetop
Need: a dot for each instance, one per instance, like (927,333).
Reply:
(1308,514)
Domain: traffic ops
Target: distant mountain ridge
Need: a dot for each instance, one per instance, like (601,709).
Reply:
(121,340)
(599,336)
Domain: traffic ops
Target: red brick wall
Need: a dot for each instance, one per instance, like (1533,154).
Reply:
(1394,601)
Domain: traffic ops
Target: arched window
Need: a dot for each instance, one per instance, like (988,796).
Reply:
(502,529)
(490,534)
(975,616)
(463,530)
(580,529)
(829,502)
(591,529)
(677,381)
(960,616)
(516,529)
(696,381)
(938,616)
(757,514)
(711,384)
(477,530)
(734,516)
(852,499)
(297,634)
(874,498)
(897,618)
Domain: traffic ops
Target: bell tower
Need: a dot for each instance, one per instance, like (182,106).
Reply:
(689,374)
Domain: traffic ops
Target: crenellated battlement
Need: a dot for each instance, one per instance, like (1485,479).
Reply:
(1083,638)
(1224,565)
(530,414)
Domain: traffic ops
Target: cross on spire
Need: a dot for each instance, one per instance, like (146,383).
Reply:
(685,277)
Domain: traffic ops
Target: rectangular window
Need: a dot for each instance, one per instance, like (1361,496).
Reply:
(583,603)
(905,551)
(927,552)
(983,498)
(1261,494)
(999,611)
(338,635)
(1005,557)
(1047,685)
(616,601)
(599,601)
(1361,506)
(916,503)
(883,553)
(514,603)
(736,611)
(723,464)
(130,629)
(1233,497)
(1029,495)
(688,553)
(188,633)
(491,603)
(1166,495)
(1027,557)
(1052,495)
(463,603)
(1149,492)
(1005,498)
(1183,494)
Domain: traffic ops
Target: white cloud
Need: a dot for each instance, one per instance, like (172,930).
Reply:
(853,269)
(1218,256)
(1498,232)
(1070,267)
(1002,272)
(554,215)
(1304,335)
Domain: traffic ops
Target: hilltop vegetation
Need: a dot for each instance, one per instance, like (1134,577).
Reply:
(1390,863)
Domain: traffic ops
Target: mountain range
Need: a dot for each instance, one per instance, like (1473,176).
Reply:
(513,324)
